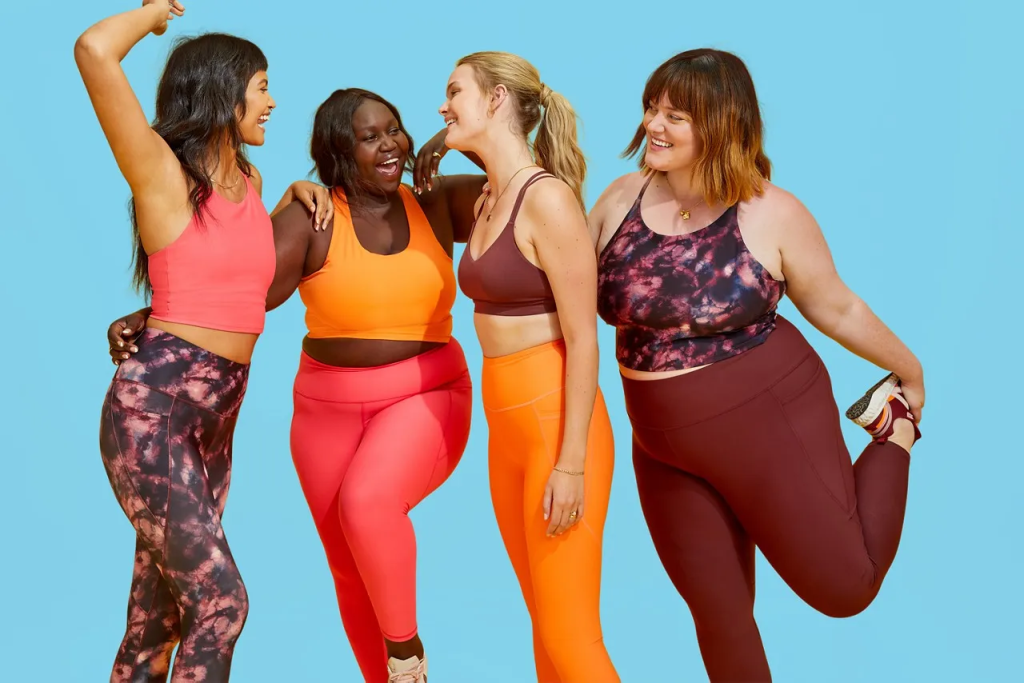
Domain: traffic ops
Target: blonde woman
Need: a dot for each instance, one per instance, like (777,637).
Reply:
(531,270)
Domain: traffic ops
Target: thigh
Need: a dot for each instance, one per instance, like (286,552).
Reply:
(703,547)
(324,438)
(577,552)
(409,449)
(196,559)
(507,479)
(784,469)
(135,447)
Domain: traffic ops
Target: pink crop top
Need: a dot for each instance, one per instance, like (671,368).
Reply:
(217,273)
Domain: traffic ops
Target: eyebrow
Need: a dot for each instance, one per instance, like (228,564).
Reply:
(392,123)
(264,81)
(451,85)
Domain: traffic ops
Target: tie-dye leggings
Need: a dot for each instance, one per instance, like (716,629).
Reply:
(165,438)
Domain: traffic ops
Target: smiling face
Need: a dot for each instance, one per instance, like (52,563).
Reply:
(465,109)
(381,146)
(258,105)
(672,140)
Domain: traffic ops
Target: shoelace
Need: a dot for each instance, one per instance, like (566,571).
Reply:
(414,675)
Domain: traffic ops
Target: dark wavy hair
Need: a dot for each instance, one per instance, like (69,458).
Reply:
(198,100)
(333,143)
(716,89)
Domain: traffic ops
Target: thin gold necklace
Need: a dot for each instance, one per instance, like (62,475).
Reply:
(503,190)
(229,187)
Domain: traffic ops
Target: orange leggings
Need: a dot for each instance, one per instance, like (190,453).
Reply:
(524,401)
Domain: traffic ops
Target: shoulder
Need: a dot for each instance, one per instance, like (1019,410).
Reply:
(618,196)
(778,212)
(549,197)
(293,218)
(256,179)
(623,189)
(774,201)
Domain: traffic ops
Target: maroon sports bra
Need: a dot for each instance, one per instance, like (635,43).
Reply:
(501,281)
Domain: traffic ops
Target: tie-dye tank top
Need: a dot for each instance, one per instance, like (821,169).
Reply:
(681,301)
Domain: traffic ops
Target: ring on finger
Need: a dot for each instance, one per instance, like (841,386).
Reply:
(436,154)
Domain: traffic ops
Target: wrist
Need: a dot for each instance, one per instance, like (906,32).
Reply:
(913,374)
(157,13)
(572,461)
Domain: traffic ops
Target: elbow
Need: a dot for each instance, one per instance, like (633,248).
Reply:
(580,341)
(88,49)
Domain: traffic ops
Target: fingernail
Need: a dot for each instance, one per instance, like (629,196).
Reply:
(120,343)
(134,349)
(126,331)
(124,355)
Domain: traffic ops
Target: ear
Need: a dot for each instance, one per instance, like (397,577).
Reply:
(498,96)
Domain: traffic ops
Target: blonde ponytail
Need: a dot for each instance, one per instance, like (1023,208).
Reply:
(555,148)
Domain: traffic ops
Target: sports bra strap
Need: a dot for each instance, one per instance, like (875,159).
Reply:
(644,188)
(522,193)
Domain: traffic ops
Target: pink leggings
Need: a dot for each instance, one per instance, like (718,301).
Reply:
(368,445)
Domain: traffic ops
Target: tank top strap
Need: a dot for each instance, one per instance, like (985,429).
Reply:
(344,230)
(640,195)
(522,193)
(420,230)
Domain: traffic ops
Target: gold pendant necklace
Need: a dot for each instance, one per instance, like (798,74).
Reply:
(685,213)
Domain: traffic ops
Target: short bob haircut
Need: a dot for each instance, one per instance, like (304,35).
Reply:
(716,90)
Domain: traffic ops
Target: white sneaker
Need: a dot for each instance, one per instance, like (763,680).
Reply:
(412,670)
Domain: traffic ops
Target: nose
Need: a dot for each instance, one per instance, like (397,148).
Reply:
(656,124)
(272,104)
(443,109)
(387,143)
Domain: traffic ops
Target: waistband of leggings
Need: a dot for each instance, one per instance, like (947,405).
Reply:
(425,372)
(179,369)
(702,394)
(524,376)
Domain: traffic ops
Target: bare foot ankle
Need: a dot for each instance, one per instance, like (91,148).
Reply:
(406,648)
(903,434)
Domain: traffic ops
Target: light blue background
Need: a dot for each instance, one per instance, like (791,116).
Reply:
(897,123)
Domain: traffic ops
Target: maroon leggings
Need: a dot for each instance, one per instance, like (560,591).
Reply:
(749,452)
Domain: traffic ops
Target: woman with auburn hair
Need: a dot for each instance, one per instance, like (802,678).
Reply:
(530,268)
(736,434)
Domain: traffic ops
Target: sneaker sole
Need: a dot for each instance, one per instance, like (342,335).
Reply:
(869,406)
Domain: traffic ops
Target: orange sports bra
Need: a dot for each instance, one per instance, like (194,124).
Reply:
(406,296)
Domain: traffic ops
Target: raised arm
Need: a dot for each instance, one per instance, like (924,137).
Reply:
(428,160)
(458,192)
(821,296)
(566,253)
(147,163)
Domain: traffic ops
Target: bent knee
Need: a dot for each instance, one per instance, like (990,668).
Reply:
(365,504)
(847,605)
(222,610)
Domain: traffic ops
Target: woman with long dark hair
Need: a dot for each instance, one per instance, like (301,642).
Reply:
(205,251)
